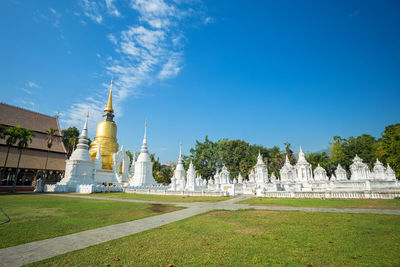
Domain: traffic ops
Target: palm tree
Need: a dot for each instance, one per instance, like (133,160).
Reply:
(10,134)
(24,138)
(51,136)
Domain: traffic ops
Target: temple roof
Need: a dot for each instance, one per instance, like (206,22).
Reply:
(37,122)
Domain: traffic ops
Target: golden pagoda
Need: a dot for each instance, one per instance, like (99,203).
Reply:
(106,136)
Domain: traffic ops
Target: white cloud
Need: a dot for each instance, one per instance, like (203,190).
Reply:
(28,104)
(91,9)
(32,85)
(56,16)
(77,112)
(171,68)
(208,20)
(112,9)
(29,92)
(147,51)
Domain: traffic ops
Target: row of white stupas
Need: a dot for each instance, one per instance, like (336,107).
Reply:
(189,182)
(300,178)
(81,172)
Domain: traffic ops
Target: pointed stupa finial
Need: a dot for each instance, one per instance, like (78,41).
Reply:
(144,145)
(109,107)
(84,132)
(145,132)
(180,151)
(301,151)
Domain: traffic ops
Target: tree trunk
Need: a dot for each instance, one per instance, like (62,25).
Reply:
(5,162)
(45,166)
(16,175)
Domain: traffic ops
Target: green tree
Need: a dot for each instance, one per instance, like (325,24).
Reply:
(130,155)
(322,159)
(388,147)
(24,138)
(237,155)
(164,175)
(51,136)
(289,153)
(156,168)
(70,139)
(343,151)
(276,160)
(205,157)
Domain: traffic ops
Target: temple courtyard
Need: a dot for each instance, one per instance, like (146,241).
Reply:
(108,229)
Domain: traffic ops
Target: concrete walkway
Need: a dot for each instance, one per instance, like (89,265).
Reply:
(44,249)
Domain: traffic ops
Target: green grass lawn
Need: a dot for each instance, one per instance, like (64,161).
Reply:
(161,198)
(328,203)
(36,217)
(253,238)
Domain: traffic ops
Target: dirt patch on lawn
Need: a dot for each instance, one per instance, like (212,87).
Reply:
(158,208)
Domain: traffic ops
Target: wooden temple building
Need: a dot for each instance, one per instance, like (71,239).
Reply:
(33,159)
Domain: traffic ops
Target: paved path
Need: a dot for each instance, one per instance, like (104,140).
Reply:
(44,249)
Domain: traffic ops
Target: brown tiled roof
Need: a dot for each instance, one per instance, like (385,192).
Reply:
(37,122)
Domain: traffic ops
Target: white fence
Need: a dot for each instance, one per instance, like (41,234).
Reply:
(91,188)
(175,193)
(377,195)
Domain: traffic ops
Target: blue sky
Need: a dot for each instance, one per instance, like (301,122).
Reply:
(263,71)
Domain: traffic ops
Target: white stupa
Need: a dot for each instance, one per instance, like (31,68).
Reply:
(288,172)
(179,172)
(261,171)
(340,173)
(359,170)
(79,167)
(143,167)
(320,174)
(303,168)
(191,178)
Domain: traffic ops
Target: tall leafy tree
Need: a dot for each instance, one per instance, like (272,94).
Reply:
(24,138)
(205,156)
(156,167)
(70,139)
(237,155)
(51,136)
(276,160)
(289,153)
(130,155)
(343,151)
(388,148)
(164,175)
(322,159)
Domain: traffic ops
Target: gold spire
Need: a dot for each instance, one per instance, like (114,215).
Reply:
(109,102)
